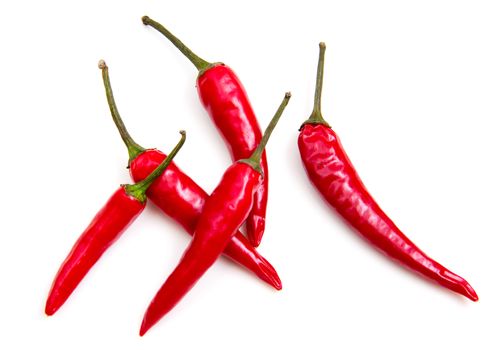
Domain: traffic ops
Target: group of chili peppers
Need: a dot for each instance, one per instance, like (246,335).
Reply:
(240,197)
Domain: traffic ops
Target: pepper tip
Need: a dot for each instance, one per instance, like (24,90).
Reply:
(50,309)
(102,64)
(256,239)
(276,282)
(470,293)
(458,284)
(49,312)
(143,329)
(270,274)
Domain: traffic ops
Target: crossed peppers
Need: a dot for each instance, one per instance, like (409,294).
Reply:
(240,197)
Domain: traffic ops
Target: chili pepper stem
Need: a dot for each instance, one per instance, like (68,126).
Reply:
(132,147)
(316,116)
(254,160)
(138,190)
(199,62)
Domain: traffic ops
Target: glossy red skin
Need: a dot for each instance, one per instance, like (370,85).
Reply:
(179,197)
(105,228)
(224,212)
(226,101)
(332,173)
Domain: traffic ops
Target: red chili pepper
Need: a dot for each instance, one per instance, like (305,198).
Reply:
(179,197)
(107,226)
(332,173)
(224,212)
(226,101)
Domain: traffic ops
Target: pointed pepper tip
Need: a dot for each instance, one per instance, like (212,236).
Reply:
(270,274)
(144,328)
(470,293)
(50,309)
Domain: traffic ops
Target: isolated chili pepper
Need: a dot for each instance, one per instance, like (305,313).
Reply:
(224,212)
(118,213)
(332,173)
(226,101)
(179,197)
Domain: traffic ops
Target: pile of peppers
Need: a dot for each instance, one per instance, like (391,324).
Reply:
(241,196)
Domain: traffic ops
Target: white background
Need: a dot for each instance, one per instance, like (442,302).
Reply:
(410,87)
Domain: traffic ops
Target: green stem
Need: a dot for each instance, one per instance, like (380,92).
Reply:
(316,116)
(138,190)
(199,62)
(254,160)
(132,147)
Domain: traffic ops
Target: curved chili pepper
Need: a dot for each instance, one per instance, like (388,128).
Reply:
(226,101)
(107,226)
(224,212)
(182,199)
(332,173)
